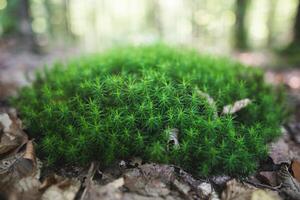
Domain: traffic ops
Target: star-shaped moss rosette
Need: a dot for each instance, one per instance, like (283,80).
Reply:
(128,102)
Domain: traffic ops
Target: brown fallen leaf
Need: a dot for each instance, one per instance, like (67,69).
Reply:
(49,180)
(237,106)
(279,150)
(264,195)
(267,177)
(5,122)
(8,143)
(136,181)
(296,169)
(14,168)
(11,134)
(173,138)
(60,189)
(210,101)
(154,180)
(208,191)
(29,152)
(26,188)
(106,192)
(236,190)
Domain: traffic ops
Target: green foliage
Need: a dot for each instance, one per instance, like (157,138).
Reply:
(9,17)
(125,102)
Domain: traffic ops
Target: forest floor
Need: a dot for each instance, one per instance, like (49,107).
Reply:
(23,175)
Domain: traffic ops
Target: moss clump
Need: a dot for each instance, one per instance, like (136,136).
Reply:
(125,102)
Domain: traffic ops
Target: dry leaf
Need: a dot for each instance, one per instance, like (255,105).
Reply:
(63,189)
(49,180)
(5,122)
(241,191)
(267,177)
(8,143)
(279,151)
(106,192)
(236,190)
(208,191)
(296,169)
(264,195)
(183,188)
(29,152)
(210,101)
(26,188)
(16,167)
(11,133)
(237,106)
(173,138)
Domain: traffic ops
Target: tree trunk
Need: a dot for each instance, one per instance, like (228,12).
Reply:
(270,22)
(240,30)
(153,17)
(24,29)
(297,26)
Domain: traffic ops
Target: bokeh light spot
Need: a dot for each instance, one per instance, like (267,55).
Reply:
(39,25)
(3,4)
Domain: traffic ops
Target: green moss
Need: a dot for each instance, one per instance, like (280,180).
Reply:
(123,103)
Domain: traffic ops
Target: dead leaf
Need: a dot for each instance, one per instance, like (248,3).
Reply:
(29,152)
(11,133)
(24,189)
(63,189)
(210,101)
(208,191)
(236,190)
(173,138)
(106,192)
(49,180)
(183,188)
(264,195)
(16,167)
(138,182)
(237,106)
(296,169)
(267,177)
(8,143)
(279,151)
(5,122)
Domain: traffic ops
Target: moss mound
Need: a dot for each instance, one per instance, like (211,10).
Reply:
(125,103)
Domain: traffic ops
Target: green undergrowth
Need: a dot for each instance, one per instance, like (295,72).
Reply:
(123,103)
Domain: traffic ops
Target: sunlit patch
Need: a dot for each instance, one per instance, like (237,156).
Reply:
(230,17)
(39,25)
(3,4)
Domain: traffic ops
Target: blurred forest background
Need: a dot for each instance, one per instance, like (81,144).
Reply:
(213,26)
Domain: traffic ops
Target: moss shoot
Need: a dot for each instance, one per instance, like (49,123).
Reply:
(124,103)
